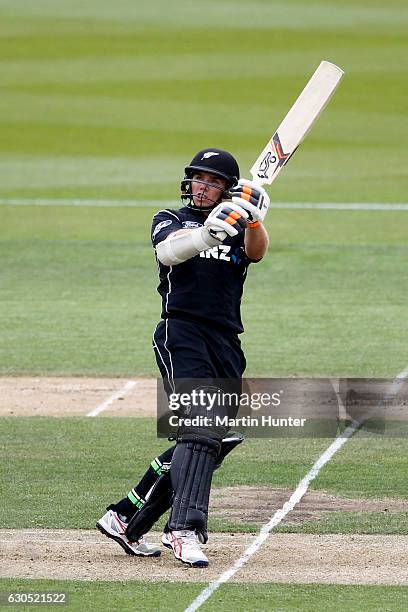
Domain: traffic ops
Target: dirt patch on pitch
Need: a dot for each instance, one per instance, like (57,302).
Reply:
(294,558)
(88,555)
(64,397)
(251,504)
(81,396)
(333,559)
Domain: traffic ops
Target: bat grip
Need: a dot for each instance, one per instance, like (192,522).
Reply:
(259,182)
(221,235)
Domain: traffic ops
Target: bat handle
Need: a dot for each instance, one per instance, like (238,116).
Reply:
(258,181)
(221,235)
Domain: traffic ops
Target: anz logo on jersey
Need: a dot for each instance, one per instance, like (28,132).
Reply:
(223,252)
(217,252)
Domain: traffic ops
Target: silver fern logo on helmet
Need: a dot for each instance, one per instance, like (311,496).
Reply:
(209,154)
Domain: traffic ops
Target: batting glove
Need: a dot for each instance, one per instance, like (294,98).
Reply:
(227,219)
(252,198)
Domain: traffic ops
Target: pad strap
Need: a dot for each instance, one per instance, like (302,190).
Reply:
(157,503)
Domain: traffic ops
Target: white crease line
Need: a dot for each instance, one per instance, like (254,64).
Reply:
(402,374)
(121,393)
(176,203)
(280,514)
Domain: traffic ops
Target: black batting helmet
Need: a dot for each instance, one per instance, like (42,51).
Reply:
(217,161)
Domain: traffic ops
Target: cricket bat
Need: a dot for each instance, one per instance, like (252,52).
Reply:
(297,123)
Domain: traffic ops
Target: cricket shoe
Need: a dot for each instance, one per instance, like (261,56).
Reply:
(185,547)
(113,527)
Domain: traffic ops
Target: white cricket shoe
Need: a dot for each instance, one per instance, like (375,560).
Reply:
(113,527)
(185,547)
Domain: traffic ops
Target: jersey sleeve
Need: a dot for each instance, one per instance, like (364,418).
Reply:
(165,222)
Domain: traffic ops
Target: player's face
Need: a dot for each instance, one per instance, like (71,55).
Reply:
(206,189)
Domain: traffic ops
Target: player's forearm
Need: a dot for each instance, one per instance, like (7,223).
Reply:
(256,241)
(184,244)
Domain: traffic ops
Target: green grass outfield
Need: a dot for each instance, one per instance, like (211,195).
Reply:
(102,102)
(109,101)
(128,596)
(79,293)
(49,459)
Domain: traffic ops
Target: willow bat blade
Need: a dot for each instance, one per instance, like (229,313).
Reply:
(297,123)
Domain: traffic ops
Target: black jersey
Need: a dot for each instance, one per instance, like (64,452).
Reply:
(207,287)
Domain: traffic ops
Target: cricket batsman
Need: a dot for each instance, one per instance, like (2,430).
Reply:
(203,251)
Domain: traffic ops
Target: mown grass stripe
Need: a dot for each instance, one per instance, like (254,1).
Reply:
(175,203)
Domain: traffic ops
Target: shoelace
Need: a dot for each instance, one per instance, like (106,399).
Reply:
(190,538)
